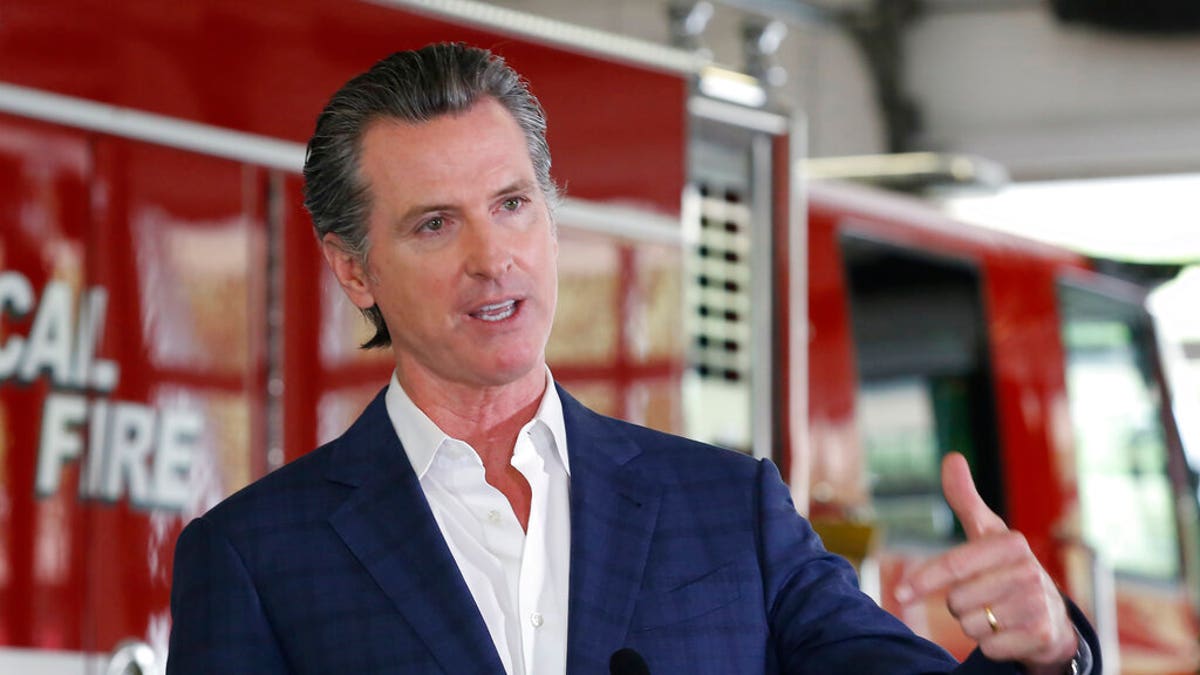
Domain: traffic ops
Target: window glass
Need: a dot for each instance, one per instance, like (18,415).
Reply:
(899,434)
(1121,452)
(925,384)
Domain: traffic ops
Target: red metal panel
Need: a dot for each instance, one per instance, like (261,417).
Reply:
(832,373)
(44,227)
(267,67)
(1022,317)
(1024,325)
(1018,282)
(105,458)
(300,289)
(1023,320)
(180,245)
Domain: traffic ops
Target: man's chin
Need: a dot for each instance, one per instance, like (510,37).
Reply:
(502,373)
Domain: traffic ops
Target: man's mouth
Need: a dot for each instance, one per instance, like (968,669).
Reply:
(496,312)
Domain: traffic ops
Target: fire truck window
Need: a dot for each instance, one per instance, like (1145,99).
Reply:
(1120,446)
(925,384)
(899,436)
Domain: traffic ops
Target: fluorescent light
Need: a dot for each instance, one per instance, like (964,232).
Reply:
(732,86)
(1144,219)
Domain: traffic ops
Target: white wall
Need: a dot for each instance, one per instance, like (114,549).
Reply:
(996,78)
(827,76)
(1054,101)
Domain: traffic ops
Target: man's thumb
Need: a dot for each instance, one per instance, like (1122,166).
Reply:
(958,486)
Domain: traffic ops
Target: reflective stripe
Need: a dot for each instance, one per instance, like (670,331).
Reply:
(626,222)
(50,662)
(158,129)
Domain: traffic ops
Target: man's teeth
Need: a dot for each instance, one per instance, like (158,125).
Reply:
(497,312)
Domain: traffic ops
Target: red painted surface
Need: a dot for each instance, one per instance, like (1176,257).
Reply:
(832,373)
(268,68)
(182,270)
(45,221)
(1021,312)
(301,274)
(181,241)
(1019,280)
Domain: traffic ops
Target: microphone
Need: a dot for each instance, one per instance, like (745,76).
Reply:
(626,661)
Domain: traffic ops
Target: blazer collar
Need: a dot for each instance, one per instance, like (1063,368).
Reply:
(388,525)
(614,506)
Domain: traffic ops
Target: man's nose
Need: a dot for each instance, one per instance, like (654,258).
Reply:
(489,253)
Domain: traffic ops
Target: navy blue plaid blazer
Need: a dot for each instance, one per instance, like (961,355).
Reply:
(692,555)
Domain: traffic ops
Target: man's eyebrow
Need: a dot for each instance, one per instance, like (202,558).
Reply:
(520,185)
(421,209)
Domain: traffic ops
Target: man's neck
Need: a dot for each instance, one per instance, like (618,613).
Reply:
(486,417)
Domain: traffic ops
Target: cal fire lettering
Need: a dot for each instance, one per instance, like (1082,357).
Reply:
(124,447)
(16,298)
(58,345)
(124,437)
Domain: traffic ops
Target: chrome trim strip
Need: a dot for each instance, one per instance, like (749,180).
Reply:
(614,220)
(738,116)
(50,661)
(560,33)
(150,127)
(620,221)
(797,314)
(762,299)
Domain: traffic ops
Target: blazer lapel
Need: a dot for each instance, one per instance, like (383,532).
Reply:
(386,522)
(613,513)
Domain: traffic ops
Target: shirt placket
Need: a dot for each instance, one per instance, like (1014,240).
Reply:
(501,536)
(536,618)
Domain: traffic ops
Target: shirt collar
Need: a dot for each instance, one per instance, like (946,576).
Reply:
(550,414)
(422,438)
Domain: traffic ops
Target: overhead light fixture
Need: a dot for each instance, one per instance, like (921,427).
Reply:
(732,86)
(911,171)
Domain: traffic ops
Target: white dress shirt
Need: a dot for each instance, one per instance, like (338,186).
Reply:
(518,578)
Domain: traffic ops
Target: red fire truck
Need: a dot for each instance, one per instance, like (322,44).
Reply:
(168,332)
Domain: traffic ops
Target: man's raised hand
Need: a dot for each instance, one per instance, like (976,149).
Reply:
(995,587)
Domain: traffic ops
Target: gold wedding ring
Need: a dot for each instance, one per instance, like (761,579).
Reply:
(993,622)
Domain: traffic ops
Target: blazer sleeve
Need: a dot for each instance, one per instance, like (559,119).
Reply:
(218,622)
(820,622)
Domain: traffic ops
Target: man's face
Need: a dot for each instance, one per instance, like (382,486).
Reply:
(463,258)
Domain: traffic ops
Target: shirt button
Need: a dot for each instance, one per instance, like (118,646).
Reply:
(493,516)
(536,619)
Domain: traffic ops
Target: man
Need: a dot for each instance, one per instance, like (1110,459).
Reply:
(477,519)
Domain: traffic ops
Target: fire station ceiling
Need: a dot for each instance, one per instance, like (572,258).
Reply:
(1051,89)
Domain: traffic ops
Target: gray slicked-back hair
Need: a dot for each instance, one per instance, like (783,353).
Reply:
(411,86)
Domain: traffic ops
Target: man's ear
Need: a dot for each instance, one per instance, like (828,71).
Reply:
(348,270)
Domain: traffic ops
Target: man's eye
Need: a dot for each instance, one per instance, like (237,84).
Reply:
(512,203)
(433,225)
